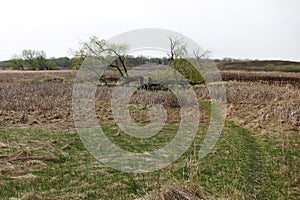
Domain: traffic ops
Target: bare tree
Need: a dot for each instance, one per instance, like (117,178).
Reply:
(200,55)
(177,48)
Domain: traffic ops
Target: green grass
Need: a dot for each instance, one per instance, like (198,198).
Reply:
(139,145)
(284,68)
(236,166)
(243,164)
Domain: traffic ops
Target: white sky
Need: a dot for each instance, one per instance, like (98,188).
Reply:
(263,29)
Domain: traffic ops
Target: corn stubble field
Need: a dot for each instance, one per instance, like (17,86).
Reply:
(256,157)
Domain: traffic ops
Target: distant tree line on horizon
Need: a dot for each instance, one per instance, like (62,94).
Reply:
(60,63)
(38,61)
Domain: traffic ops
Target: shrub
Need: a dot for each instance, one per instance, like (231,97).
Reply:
(187,70)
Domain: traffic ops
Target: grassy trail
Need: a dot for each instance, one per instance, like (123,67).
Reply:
(253,171)
(242,166)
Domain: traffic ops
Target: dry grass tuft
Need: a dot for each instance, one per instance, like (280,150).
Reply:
(33,196)
(190,191)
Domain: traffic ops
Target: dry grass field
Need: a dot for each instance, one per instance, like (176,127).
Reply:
(256,157)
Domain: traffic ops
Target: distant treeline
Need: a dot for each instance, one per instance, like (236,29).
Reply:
(44,64)
(39,62)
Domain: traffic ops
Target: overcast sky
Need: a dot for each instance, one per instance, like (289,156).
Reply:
(262,29)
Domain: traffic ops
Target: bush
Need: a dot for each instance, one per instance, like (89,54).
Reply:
(187,70)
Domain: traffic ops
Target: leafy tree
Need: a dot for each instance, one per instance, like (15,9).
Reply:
(77,61)
(17,63)
(32,59)
(103,50)
(63,62)
(41,63)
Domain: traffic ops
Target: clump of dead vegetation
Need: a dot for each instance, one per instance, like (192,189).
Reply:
(266,77)
(45,99)
(191,191)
